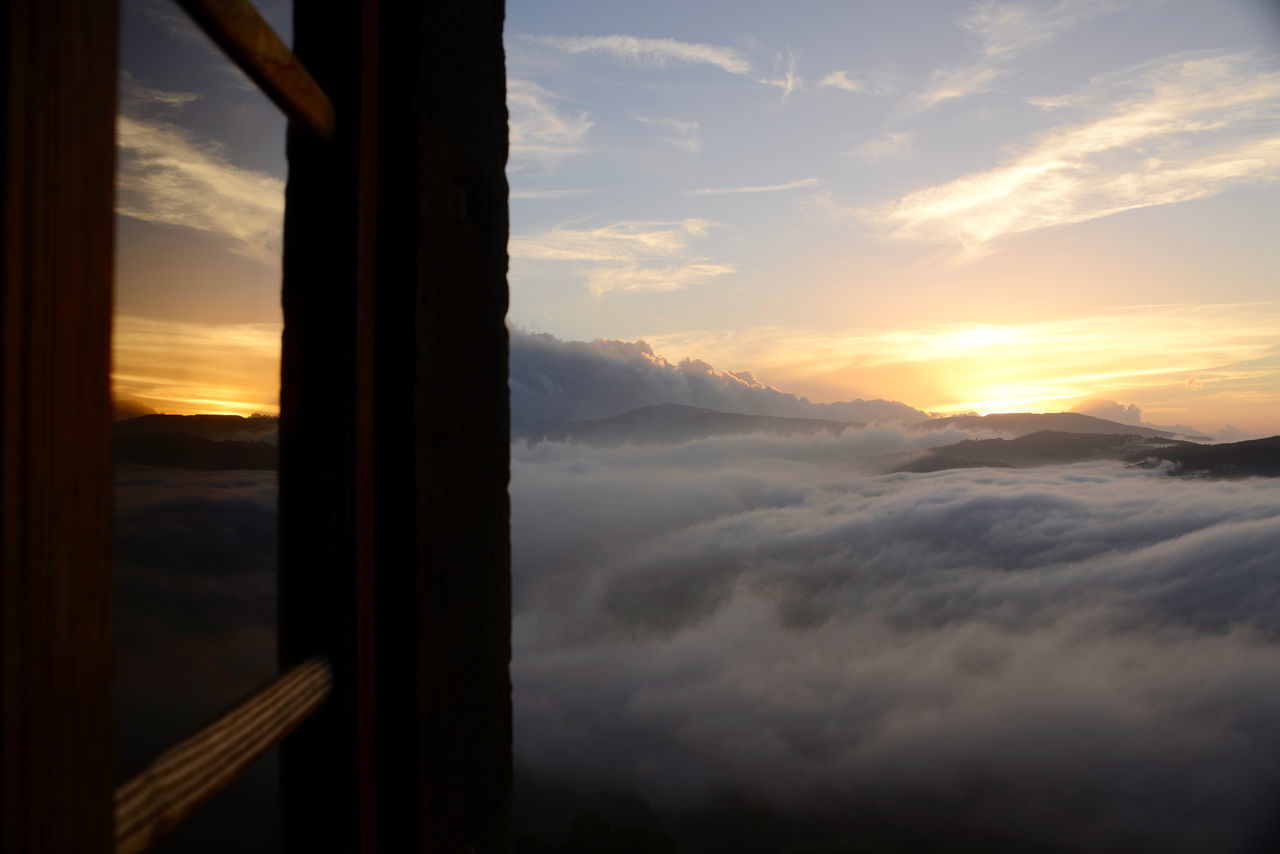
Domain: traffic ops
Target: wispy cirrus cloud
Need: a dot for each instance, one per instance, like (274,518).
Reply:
(765,188)
(550,193)
(842,80)
(620,241)
(539,129)
(169,175)
(627,256)
(136,98)
(634,277)
(1179,128)
(679,134)
(948,83)
(650,51)
(1005,31)
(885,147)
(787,80)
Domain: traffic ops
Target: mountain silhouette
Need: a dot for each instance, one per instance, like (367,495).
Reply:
(673,422)
(1256,458)
(1045,447)
(217,428)
(1023,423)
(202,442)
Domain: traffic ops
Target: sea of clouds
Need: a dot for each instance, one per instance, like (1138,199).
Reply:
(194,620)
(768,642)
(1073,658)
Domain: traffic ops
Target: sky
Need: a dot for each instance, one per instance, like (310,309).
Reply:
(988,206)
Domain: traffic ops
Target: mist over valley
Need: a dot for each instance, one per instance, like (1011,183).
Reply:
(745,631)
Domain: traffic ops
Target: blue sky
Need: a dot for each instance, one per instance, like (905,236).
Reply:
(991,205)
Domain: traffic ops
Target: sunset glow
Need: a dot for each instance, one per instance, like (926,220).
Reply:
(195,368)
(975,215)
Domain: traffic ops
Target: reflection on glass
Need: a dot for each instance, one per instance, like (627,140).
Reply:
(199,200)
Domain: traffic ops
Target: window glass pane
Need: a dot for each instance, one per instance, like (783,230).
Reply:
(196,373)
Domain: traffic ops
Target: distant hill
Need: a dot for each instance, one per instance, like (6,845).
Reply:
(202,442)
(1023,423)
(672,422)
(1255,458)
(217,428)
(1046,447)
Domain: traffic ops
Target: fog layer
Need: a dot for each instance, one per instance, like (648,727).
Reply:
(1076,658)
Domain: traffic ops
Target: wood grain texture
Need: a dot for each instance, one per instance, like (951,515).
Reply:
(194,770)
(58,86)
(246,37)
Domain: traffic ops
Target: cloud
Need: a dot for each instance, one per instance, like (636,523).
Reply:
(214,525)
(632,277)
(124,408)
(842,80)
(1178,129)
(182,367)
(1005,31)
(948,83)
(554,381)
(766,188)
(168,175)
(621,241)
(896,144)
(193,619)
(1071,659)
(789,81)
(684,135)
(1110,410)
(626,255)
(549,193)
(650,51)
(538,129)
(136,98)
(989,658)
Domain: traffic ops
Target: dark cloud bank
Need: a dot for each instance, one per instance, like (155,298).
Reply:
(554,381)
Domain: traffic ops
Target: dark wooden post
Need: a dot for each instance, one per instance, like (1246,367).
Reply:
(319,567)
(395,546)
(444,614)
(57,105)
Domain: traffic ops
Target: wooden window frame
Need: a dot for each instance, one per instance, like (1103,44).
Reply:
(395,567)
